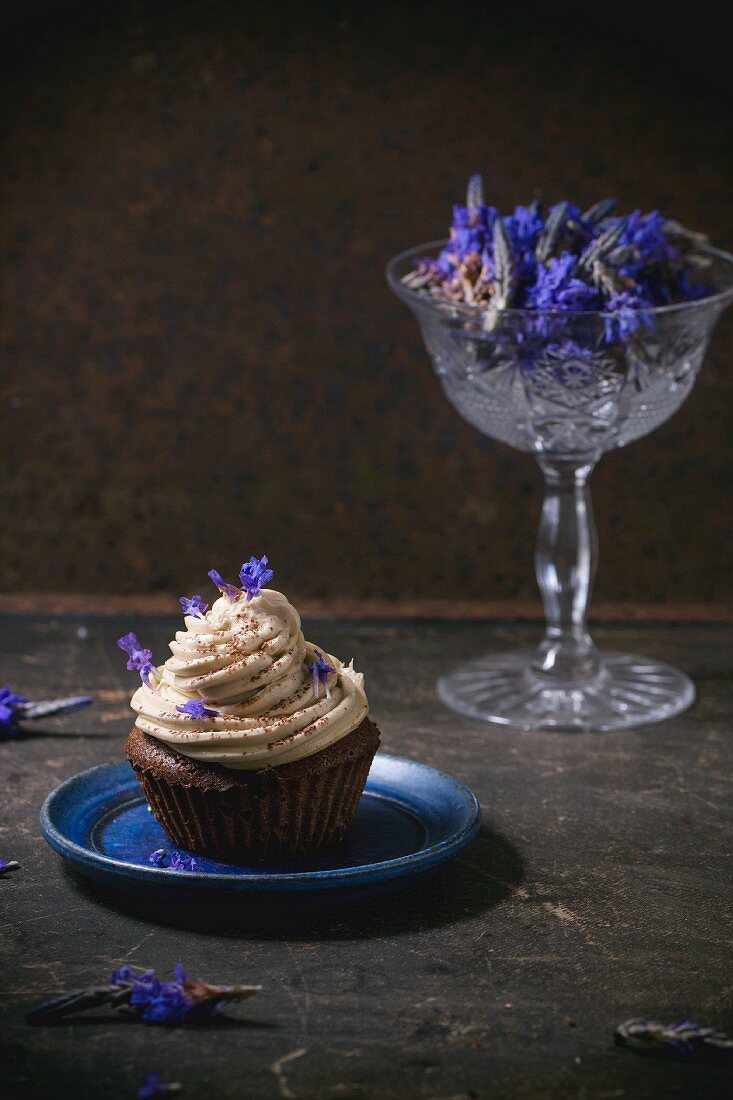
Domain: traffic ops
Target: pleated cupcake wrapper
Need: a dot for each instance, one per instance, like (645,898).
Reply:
(269,819)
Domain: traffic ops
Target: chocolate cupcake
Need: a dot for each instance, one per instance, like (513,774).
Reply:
(249,743)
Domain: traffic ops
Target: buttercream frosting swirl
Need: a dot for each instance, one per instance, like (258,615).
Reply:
(250,661)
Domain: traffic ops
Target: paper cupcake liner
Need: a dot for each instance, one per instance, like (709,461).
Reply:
(268,818)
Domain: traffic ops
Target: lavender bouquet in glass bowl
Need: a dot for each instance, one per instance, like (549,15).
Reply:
(565,334)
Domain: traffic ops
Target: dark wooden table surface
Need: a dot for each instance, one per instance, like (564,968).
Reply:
(598,889)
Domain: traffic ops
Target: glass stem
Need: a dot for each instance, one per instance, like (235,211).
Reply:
(565,562)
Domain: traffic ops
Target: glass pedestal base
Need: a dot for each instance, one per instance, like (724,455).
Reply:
(628,691)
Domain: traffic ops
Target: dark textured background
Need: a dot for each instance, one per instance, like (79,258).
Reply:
(200,356)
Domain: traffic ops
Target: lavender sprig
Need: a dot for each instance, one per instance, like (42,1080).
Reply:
(152,1086)
(498,262)
(554,227)
(44,708)
(687,1040)
(475,192)
(600,248)
(597,213)
(504,271)
(8,865)
(15,709)
(144,995)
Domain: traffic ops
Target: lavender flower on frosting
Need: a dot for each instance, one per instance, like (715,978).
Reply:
(196,708)
(254,575)
(139,659)
(224,587)
(563,260)
(137,655)
(320,671)
(195,607)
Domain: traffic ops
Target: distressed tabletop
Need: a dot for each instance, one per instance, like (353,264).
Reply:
(597,890)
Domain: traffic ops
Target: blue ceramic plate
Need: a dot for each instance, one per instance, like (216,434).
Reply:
(410,820)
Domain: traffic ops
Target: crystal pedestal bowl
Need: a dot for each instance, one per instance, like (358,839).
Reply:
(566,386)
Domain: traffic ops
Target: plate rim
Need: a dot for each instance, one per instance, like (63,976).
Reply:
(312,879)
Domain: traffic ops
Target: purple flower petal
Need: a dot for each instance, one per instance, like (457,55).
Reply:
(195,607)
(254,575)
(196,708)
(10,706)
(320,671)
(138,656)
(182,863)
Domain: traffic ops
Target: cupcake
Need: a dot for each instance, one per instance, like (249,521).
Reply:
(249,742)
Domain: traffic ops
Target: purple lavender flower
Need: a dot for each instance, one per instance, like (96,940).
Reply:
(224,587)
(138,656)
(557,286)
(196,708)
(320,671)
(158,858)
(254,575)
(182,863)
(566,260)
(148,672)
(643,242)
(629,311)
(153,1001)
(523,229)
(152,1086)
(158,1002)
(688,290)
(194,607)
(10,704)
(8,865)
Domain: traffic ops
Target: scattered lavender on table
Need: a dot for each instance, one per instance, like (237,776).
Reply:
(195,607)
(152,1086)
(196,708)
(565,260)
(321,670)
(685,1041)
(44,708)
(254,575)
(8,865)
(144,995)
(15,709)
(10,705)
